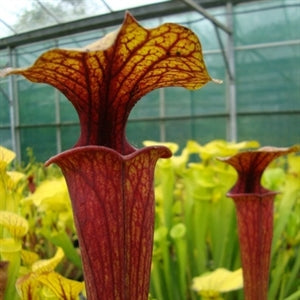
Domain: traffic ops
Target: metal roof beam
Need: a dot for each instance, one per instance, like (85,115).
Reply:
(93,23)
(207,15)
(110,19)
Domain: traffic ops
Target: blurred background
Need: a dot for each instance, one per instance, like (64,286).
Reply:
(253,46)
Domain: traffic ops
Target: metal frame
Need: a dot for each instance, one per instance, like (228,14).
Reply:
(92,23)
(111,19)
(115,18)
(228,56)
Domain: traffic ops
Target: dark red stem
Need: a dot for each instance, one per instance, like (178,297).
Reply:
(255,227)
(113,203)
(254,205)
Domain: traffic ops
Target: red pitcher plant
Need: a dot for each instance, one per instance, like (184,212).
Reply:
(110,181)
(255,214)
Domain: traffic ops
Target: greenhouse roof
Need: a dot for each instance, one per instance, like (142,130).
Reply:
(23,22)
(18,18)
(257,61)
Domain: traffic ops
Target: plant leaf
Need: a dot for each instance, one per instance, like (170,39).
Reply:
(113,205)
(51,193)
(6,157)
(15,224)
(250,166)
(28,287)
(63,288)
(29,257)
(221,280)
(255,208)
(48,265)
(61,239)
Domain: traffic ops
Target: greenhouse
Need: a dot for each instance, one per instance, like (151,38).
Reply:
(173,126)
(255,53)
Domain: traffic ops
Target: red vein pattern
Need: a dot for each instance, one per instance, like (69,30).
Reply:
(109,181)
(254,206)
(255,228)
(105,84)
(113,201)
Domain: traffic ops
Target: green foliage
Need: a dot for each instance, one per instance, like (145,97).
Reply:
(195,226)
(37,232)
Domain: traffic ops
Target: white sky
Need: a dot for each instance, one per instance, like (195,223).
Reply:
(10,9)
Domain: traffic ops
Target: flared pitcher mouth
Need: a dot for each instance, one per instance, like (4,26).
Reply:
(159,151)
